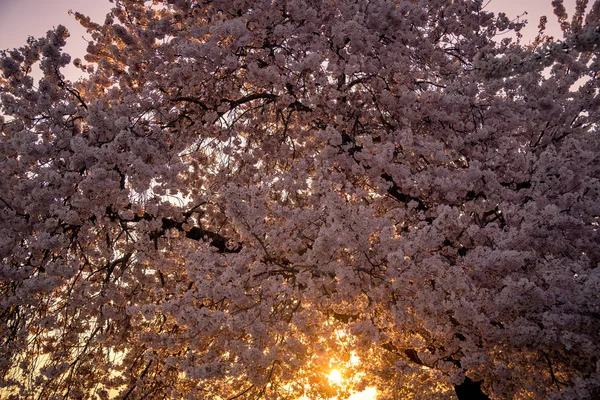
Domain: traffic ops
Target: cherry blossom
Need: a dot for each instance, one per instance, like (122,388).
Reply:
(239,198)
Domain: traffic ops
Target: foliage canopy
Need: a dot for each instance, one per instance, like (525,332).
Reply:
(240,196)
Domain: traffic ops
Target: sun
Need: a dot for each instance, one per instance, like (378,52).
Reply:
(335,377)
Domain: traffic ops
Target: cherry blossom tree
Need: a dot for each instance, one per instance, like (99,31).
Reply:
(239,197)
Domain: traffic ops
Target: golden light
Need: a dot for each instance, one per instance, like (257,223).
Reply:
(369,393)
(335,377)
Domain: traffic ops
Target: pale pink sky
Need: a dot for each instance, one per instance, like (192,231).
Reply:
(21,18)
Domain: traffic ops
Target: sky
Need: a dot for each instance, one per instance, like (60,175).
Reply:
(21,18)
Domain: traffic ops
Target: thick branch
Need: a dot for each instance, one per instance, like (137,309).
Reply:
(198,233)
(468,390)
(395,192)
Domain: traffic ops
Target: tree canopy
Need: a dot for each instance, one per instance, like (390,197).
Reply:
(240,197)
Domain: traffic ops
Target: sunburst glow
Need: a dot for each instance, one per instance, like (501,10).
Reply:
(335,377)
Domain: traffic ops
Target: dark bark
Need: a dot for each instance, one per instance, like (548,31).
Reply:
(198,233)
(470,390)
